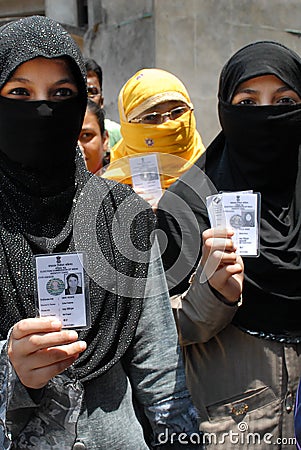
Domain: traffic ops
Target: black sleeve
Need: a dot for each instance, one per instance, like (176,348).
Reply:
(181,219)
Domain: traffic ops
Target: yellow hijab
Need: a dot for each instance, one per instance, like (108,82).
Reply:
(177,143)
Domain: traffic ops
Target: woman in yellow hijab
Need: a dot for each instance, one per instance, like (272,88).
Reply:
(156,116)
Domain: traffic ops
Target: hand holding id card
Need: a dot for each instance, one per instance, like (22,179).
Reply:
(239,211)
(62,288)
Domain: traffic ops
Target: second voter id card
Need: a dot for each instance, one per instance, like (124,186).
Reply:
(239,211)
(145,173)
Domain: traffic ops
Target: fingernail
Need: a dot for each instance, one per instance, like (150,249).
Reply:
(56,323)
(83,345)
(72,334)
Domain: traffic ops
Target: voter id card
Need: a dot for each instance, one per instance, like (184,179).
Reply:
(145,173)
(241,212)
(62,289)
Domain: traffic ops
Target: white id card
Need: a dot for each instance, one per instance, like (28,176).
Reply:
(145,174)
(62,288)
(241,212)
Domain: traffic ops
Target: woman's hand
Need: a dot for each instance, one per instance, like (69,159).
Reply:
(224,269)
(39,349)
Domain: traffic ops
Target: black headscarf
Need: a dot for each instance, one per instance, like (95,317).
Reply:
(38,207)
(258,149)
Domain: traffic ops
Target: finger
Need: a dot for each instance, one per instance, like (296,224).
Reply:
(154,204)
(56,356)
(53,355)
(212,245)
(240,261)
(217,232)
(225,259)
(148,197)
(219,244)
(226,273)
(217,261)
(139,191)
(35,342)
(234,269)
(225,279)
(38,378)
(26,327)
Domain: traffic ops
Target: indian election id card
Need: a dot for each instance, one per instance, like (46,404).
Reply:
(145,173)
(239,211)
(62,288)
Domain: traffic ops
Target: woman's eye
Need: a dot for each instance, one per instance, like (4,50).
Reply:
(246,101)
(19,91)
(86,137)
(152,117)
(64,92)
(287,100)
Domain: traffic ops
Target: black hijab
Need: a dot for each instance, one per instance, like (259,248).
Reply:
(38,208)
(258,149)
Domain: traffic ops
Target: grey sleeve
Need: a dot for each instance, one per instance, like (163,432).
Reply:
(199,313)
(13,395)
(5,387)
(17,404)
(155,366)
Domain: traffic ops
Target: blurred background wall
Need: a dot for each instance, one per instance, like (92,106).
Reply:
(191,38)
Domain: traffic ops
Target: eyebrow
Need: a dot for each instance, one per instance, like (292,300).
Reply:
(20,79)
(87,129)
(65,80)
(285,88)
(253,91)
(26,80)
(246,91)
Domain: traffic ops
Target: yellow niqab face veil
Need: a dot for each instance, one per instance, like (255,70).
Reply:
(177,143)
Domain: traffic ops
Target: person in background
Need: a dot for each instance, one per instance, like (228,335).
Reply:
(95,93)
(156,116)
(243,359)
(63,388)
(93,139)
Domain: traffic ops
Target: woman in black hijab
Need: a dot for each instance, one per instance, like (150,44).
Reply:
(73,389)
(249,371)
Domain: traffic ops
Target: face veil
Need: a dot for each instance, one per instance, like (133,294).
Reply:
(37,138)
(262,136)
